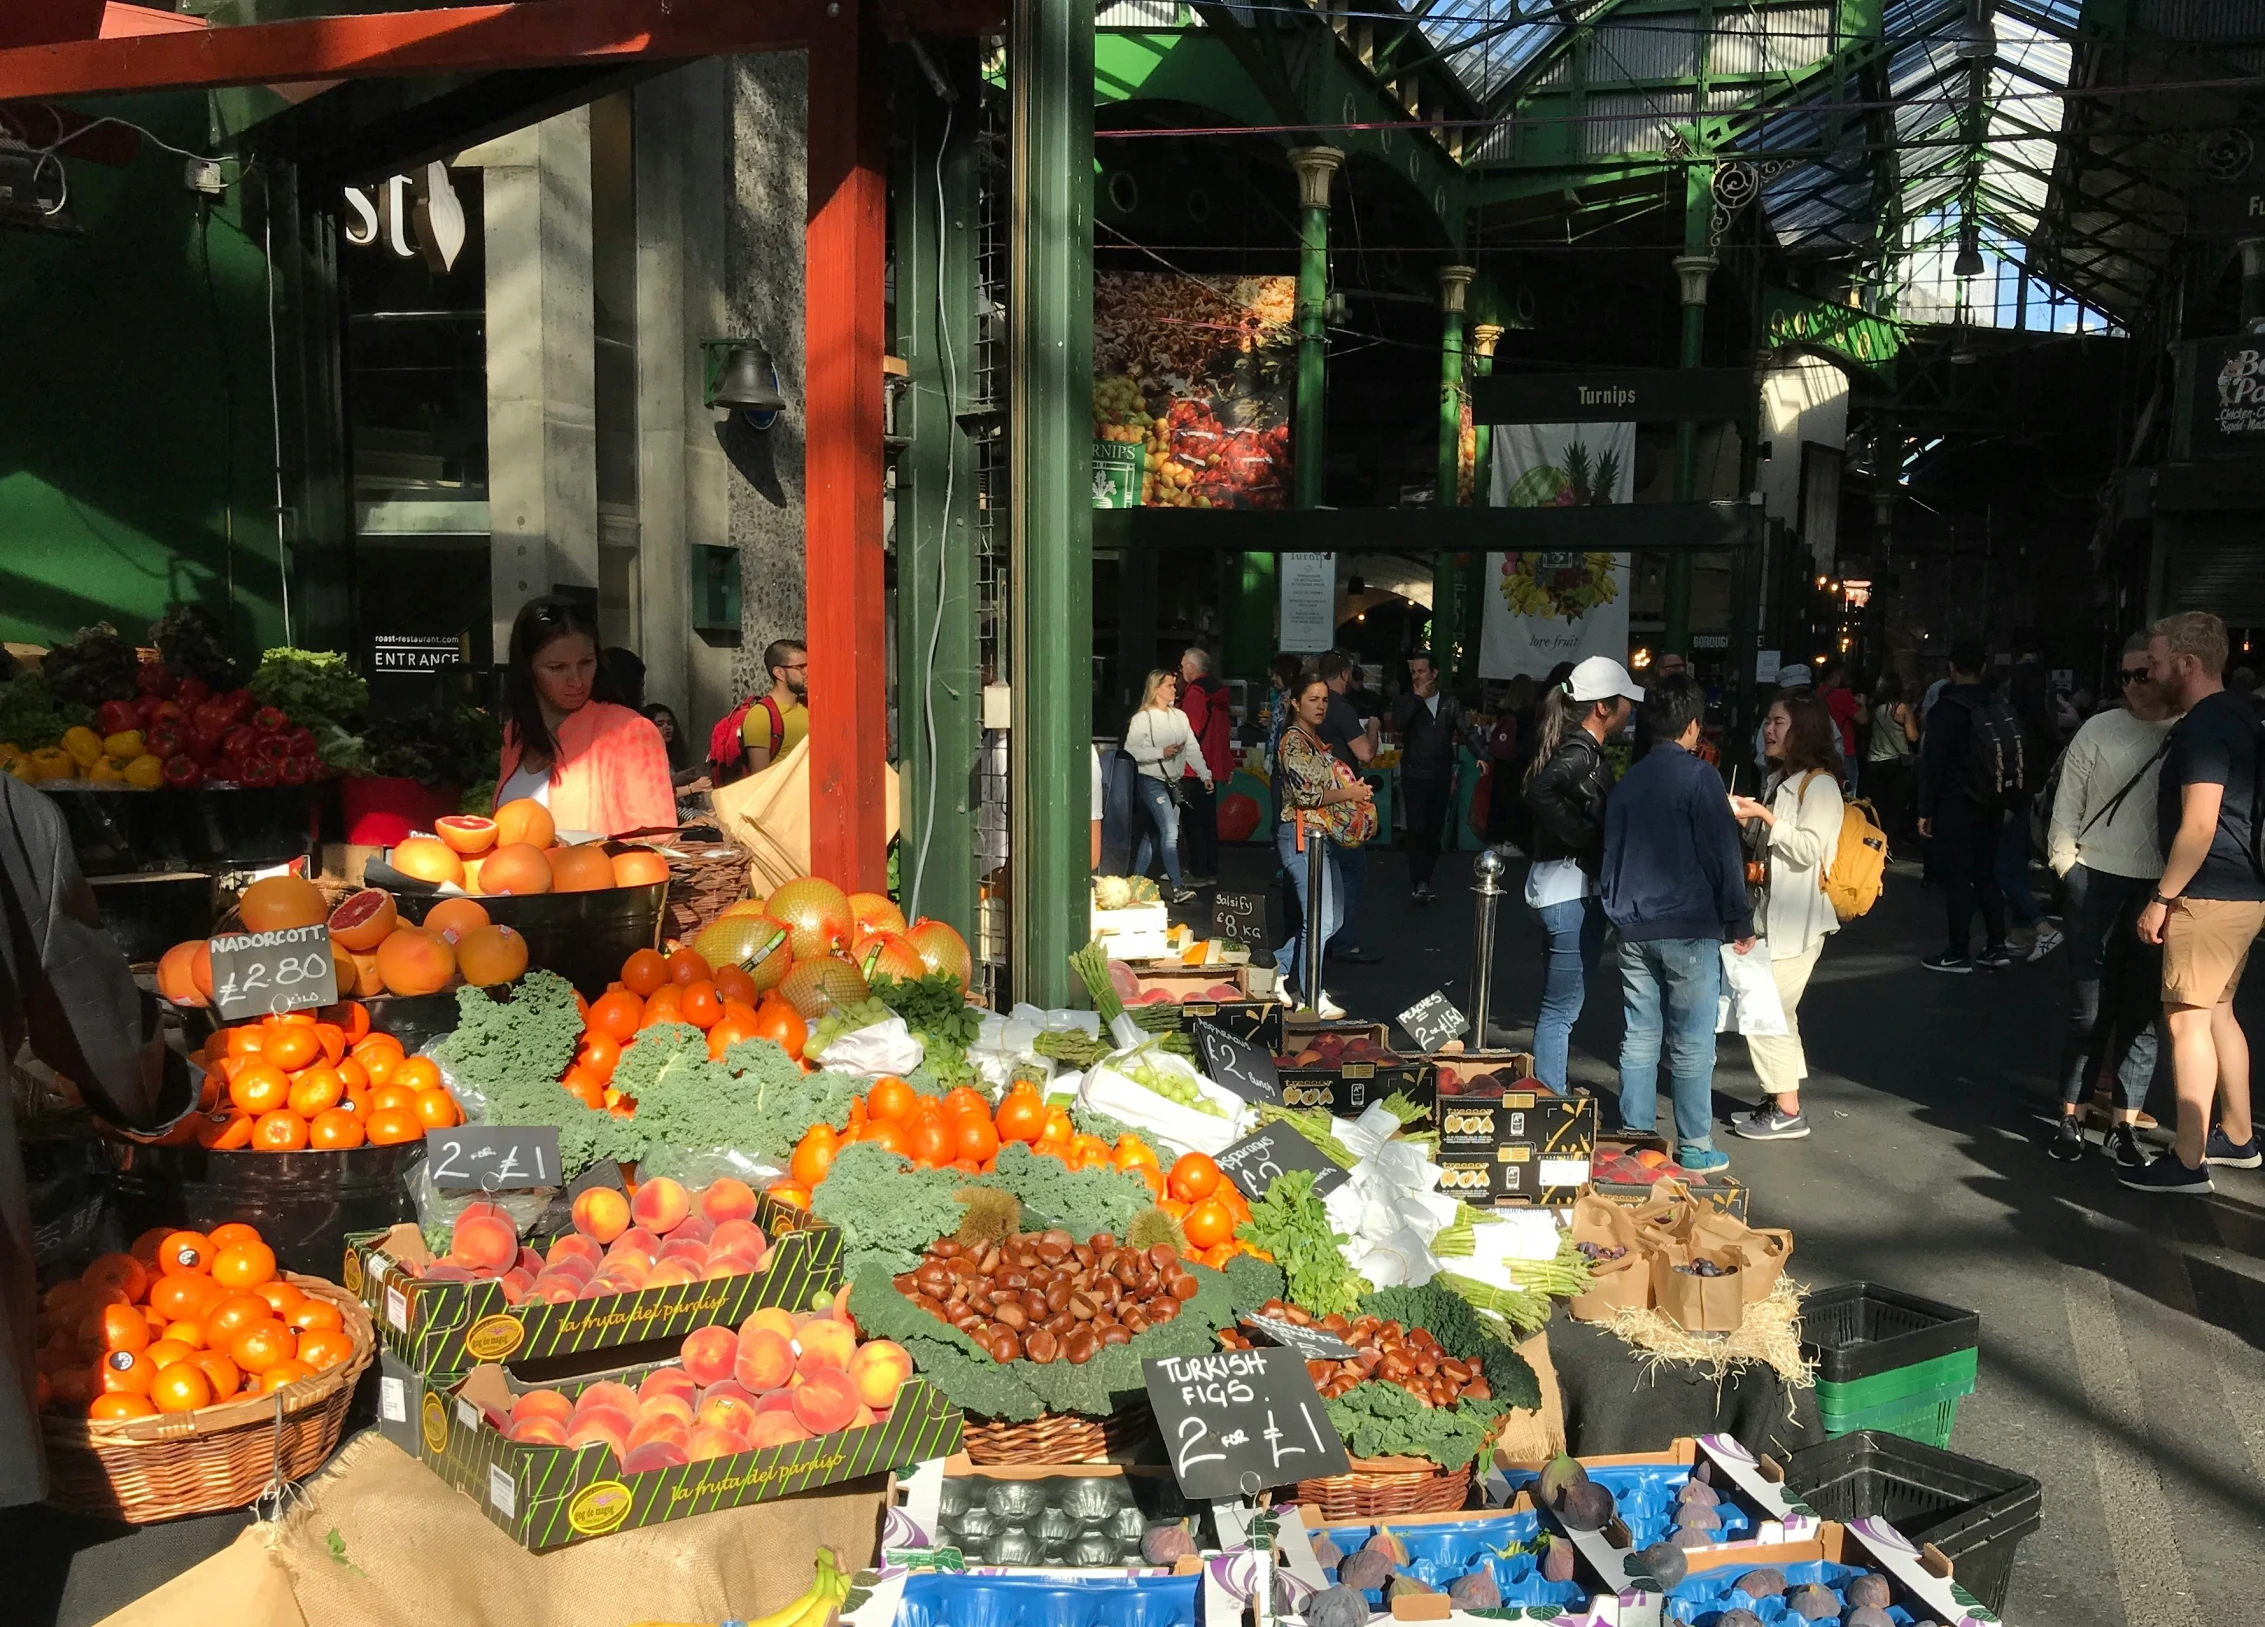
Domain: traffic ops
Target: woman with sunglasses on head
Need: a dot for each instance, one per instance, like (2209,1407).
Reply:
(2103,846)
(568,742)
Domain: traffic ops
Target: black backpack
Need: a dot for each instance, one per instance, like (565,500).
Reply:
(1997,770)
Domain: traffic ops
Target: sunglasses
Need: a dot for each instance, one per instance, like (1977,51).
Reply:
(2132,675)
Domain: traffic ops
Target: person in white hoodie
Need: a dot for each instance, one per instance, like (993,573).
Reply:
(1164,747)
(2102,844)
(1793,831)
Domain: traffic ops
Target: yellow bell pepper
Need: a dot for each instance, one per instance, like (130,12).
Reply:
(9,752)
(54,763)
(82,745)
(107,771)
(125,745)
(24,768)
(145,773)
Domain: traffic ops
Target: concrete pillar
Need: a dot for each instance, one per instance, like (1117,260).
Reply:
(542,380)
(764,278)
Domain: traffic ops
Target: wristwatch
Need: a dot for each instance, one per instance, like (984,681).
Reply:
(2160,899)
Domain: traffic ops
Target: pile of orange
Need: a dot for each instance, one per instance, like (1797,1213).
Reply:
(515,854)
(679,987)
(326,1082)
(185,1320)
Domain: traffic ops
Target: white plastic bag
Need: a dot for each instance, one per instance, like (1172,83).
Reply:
(1749,1004)
(1107,1090)
(878,1048)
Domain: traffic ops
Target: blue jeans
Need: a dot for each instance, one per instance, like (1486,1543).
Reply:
(1575,932)
(1162,829)
(1671,987)
(2021,906)
(1351,864)
(1291,956)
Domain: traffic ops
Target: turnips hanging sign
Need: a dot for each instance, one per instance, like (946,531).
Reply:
(1543,608)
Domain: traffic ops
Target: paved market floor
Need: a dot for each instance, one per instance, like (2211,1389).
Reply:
(2123,1338)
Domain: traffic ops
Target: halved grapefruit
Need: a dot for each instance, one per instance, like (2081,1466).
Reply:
(467,833)
(365,920)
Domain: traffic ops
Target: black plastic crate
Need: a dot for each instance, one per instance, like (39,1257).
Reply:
(1860,1330)
(1975,1512)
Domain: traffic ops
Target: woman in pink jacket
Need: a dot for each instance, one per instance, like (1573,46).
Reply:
(568,743)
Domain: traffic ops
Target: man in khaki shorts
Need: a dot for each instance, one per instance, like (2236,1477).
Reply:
(2210,903)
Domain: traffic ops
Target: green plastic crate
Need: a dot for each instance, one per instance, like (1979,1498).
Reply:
(1926,1415)
(1899,1383)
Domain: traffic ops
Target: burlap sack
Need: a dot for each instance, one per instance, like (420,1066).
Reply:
(1697,1304)
(376,1540)
(1528,1439)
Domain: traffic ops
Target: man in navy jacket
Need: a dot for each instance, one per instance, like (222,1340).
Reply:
(1675,887)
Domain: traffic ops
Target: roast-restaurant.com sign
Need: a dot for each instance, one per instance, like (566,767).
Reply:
(2229,395)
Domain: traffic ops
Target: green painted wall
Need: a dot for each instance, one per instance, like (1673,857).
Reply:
(125,371)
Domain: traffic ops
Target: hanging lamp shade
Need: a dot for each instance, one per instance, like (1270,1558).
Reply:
(748,381)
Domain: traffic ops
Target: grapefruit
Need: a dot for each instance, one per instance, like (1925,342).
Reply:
(756,944)
(817,916)
(415,961)
(815,987)
(515,870)
(942,949)
(466,833)
(364,920)
(890,954)
(428,858)
(278,903)
(639,867)
(584,869)
(875,912)
(453,917)
(490,955)
(184,973)
(525,820)
(746,906)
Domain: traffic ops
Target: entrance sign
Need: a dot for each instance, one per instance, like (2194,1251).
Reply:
(414,652)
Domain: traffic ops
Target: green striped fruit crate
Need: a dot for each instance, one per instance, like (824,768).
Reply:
(1889,1361)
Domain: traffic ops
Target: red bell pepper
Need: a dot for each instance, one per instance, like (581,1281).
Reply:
(303,743)
(191,693)
(183,772)
(154,678)
(295,770)
(242,743)
(204,744)
(144,709)
(270,720)
(211,717)
(239,704)
(258,773)
(118,717)
(165,740)
(273,748)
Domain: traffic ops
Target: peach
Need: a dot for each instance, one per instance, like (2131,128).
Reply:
(826,1401)
(739,1234)
(640,1241)
(660,1426)
(866,1418)
(776,1401)
(654,1455)
(775,1429)
(727,1199)
(772,1318)
(824,1345)
(709,1354)
(673,1273)
(447,1271)
(661,1205)
(601,1214)
(680,1247)
(668,1381)
(553,1288)
(484,1239)
(630,1268)
(667,1404)
(529,1261)
(571,1265)
(694,1227)
(611,1282)
(724,1263)
(575,1246)
(604,1427)
(538,1432)
(725,1406)
(765,1361)
(542,1404)
(515,1284)
(607,1393)
(708,1441)
(879,1369)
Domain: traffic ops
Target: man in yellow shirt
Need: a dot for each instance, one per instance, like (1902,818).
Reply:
(781,718)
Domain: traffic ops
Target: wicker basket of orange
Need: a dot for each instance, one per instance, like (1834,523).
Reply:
(188,1376)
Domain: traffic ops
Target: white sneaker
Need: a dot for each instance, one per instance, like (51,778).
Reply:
(1329,1009)
(2048,940)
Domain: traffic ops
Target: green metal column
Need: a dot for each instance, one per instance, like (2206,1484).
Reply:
(939,693)
(1248,632)
(1484,337)
(1692,269)
(1308,430)
(1050,525)
(1449,601)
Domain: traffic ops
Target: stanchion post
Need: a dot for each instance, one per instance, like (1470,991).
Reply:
(1488,868)
(1317,877)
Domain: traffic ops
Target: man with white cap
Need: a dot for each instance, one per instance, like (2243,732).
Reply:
(1566,788)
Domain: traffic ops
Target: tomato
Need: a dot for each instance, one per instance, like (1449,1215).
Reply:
(1022,1117)
(1195,1176)
(890,1099)
(782,1025)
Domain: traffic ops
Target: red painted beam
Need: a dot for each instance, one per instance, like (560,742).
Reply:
(449,40)
(843,252)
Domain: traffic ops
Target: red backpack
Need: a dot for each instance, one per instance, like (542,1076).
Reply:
(725,745)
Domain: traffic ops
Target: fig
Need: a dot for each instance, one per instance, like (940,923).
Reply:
(1739,1618)
(1870,1588)
(1867,1615)
(1557,1561)
(1766,1583)
(1366,1570)
(1813,1602)
(1697,1517)
(1475,1590)
(1563,1472)
(1703,1472)
(1586,1506)
(1404,1586)
(1326,1554)
(1166,1544)
(1385,1543)
(1697,1491)
(1664,1563)
(1339,1606)
(1687,1537)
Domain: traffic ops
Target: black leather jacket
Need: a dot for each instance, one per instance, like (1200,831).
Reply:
(1567,795)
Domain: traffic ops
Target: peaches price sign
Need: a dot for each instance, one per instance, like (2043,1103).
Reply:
(492,1157)
(258,973)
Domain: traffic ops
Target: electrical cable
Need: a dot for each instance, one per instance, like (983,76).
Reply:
(943,542)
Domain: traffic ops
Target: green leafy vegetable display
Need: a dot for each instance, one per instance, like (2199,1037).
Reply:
(31,716)
(1080,1201)
(93,666)
(513,1051)
(1384,1421)
(1461,1332)
(1291,1224)
(191,641)
(316,687)
(887,1210)
(935,1008)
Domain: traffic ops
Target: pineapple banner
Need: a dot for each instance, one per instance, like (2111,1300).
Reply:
(1543,608)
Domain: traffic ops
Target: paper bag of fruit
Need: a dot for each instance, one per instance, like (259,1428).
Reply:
(1155,1091)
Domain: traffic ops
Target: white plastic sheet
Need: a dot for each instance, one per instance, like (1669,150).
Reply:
(887,1046)
(1749,1004)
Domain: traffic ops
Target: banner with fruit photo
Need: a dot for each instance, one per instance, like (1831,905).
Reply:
(1550,607)
(1192,384)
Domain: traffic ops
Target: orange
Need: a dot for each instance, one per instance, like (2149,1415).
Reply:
(259,1087)
(182,1387)
(640,867)
(601,1054)
(116,1327)
(325,1347)
(890,1099)
(729,1031)
(371,1043)
(280,1131)
(1194,1176)
(316,1089)
(120,1271)
(184,973)
(129,1370)
(415,961)
(233,1315)
(416,1073)
(144,1247)
(584,1086)
(231,1232)
(703,1007)
(121,1404)
(263,1344)
(466,833)
(617,1014)
(891,1136)
(182,1295)
(1022,1117)
(975,1138)
(391,1096)
(352,1018)
(436,1109)
(279,902)
(313,1313)
(186,1330)
(515,869)
(930,1143)
(587,868)
(292,1048)
(165,1352)
(427,858)
(666,1006)
(733,983)
(221,1375)
(1132,1153)
(490,955)
(814,1155)
(228,1132)
(280,1296)
(643,972)
(1058,1127)
(246,1040)
(688,966)
(338,1130)
(353,1076)
(961,1100)
(452,918)
(792,1194)
(379,1065)
(185,1254)
(1208,1224)
(333,1040)
(523,819)
(284,1372)
(389,1126)
(244,1264)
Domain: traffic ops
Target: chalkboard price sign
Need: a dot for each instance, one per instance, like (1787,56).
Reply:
(1432,1021)
(1257,1161)
(1241,918)
(256,973)
(492,1157)
(1239,1421)
(1237,1064)
(1314,1344)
